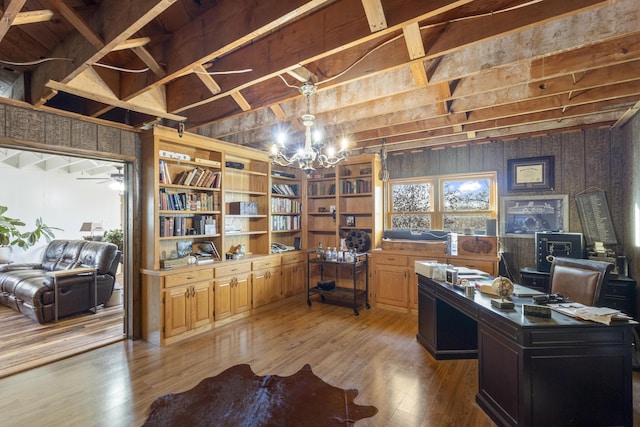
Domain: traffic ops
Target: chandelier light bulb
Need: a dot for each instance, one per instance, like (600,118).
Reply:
(311,156)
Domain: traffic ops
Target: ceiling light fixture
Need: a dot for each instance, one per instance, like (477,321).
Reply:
(311,156)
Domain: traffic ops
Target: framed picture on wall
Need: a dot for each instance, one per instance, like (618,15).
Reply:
(532,173)
(523,216)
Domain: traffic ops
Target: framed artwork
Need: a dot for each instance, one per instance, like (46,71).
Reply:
(532,173)
(523,216)
(351,221)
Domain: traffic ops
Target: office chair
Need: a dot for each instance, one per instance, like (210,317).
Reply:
(579,280)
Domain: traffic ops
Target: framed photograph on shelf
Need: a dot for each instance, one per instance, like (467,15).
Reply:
(523,216)
(350,221)
(532,173)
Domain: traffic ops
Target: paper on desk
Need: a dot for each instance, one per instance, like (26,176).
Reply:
(602,315)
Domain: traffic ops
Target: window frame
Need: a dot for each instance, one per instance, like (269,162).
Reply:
(437,211)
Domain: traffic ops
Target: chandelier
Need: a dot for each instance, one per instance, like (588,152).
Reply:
(311,156)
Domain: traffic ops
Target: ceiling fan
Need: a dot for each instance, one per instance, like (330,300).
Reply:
(114,178)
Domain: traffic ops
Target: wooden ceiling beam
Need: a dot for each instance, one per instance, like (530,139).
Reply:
(333,29)
(78,23)
(131,43)
(34,16)
(203,101)
(149,60)
(9,15)
(375,15)
(118,21)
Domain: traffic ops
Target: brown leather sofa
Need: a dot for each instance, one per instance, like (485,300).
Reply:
(29,287)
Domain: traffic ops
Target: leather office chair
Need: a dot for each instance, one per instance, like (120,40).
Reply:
(579,280)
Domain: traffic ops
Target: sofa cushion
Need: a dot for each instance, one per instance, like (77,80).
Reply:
(69,256)
(53,253)
(98,255)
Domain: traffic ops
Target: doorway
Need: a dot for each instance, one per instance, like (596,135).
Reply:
(86,199)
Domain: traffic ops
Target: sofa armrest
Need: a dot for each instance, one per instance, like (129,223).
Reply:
(56,275)
(21,266)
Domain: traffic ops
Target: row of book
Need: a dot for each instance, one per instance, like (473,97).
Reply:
(199,177)
(285,223)
(285,205)
(189,201)
(165,175)
(185,226)
(285,189)
(321,188)
(356,187)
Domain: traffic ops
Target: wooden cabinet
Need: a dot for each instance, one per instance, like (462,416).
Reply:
(294,273)
(188,307)
(391,278)
(178,304)
(345,199)
(266,280)
(232,290)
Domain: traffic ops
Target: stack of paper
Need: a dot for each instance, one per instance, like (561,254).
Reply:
(602,315)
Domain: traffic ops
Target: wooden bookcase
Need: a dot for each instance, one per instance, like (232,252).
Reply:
(186,205)
(246,197)
(344,199)
(286,205)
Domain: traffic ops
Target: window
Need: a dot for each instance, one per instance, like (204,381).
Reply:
(460,203)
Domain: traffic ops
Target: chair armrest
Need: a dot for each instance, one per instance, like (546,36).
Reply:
(71,272)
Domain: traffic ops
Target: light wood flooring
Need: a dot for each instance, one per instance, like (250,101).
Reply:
(25,344)
(375,353)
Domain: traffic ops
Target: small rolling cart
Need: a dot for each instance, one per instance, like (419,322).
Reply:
(328,290)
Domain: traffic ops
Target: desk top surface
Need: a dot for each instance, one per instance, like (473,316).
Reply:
(482,303)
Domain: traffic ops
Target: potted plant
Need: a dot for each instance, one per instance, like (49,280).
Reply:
(115,236)
(10,234)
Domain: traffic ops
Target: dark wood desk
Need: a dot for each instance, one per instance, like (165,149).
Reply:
(532,371)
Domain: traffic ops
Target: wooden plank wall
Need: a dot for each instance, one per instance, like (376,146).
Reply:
(587,159)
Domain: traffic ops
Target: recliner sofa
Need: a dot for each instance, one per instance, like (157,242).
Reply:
(28,289)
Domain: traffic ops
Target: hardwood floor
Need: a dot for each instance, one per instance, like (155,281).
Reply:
(376,353)
(25,344)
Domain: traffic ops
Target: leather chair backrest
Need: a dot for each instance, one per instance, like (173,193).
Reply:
(52,254)
(98,255)
(580,280)
(70,255)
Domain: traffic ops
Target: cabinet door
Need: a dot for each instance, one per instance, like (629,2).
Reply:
(201,304)
(392,285)
(299,278)
(274,280)
(260,290)
(176,310)
(288,280)
(241,294)
(223,299)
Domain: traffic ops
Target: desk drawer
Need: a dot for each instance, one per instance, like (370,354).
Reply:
(187,277)
(389,259)
(230,270)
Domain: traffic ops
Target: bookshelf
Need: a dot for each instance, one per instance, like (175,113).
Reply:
(286,205)
(198,190)
(182,181)
(246,197)
(345,199)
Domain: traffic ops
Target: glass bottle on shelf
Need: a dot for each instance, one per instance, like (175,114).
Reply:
(320,252)
(334,255)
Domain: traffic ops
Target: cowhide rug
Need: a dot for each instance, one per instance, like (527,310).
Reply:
(238,397)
